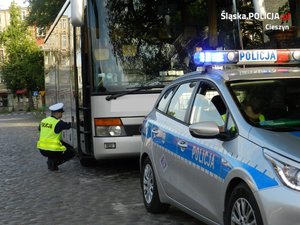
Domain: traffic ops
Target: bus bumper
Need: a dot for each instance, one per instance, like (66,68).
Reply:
(111,147)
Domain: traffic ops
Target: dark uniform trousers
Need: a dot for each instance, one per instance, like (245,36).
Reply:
(55,158)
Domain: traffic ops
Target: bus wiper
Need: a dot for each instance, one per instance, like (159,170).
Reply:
(115,96)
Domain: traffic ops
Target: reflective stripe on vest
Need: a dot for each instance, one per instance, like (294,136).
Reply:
(49,140)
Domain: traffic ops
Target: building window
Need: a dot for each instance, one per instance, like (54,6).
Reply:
(23,16)
(3,100)
(64,23)
(46,58)
(1,79)
(40,32)
(1,56)
(63,41)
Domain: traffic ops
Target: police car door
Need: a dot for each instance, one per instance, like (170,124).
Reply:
(167,130)
(200,161)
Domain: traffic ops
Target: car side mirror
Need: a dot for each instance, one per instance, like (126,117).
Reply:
(208,130)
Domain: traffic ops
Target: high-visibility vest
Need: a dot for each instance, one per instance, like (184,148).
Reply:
(49,140)
(261,118)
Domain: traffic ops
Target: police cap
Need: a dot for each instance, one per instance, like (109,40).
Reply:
(58,107)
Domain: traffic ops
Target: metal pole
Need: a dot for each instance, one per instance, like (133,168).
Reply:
(235,11)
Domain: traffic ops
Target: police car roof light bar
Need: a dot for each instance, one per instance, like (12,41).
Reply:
(244,57)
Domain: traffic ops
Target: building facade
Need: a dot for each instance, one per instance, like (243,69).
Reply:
(16,101)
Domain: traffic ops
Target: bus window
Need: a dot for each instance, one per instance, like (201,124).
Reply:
(133,43)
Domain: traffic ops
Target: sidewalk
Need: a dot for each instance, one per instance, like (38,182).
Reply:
(17,113)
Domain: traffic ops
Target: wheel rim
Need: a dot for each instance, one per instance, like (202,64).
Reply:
(242,213)
(148,183)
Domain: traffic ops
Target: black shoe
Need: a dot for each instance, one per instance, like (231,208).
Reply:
(52,165)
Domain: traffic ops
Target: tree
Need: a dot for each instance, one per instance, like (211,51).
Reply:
(251,29)
(150,36)
(23,64)
(43,12)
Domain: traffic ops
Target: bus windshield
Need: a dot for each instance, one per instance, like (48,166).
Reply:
(140,43)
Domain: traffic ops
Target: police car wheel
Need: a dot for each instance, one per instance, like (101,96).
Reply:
(149,188)
(242,207)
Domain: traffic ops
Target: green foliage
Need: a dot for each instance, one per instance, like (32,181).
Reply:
(23,64)
(43,12)
(252,29)
(284,13)
(16,31)
(284,9)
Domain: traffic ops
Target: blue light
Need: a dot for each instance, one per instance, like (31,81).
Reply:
(210,57)
(199,58)
(218,57)
(244,57)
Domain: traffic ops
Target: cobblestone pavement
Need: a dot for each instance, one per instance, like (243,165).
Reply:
(107,194)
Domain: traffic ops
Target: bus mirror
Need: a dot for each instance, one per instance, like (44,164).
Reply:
(77,8)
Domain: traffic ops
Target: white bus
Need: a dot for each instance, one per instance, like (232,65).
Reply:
(107,61)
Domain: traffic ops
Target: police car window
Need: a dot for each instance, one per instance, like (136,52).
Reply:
(165,99)
(270,104)
(204,109)
(180,101)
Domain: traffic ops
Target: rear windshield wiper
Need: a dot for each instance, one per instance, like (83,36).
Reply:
(115,96)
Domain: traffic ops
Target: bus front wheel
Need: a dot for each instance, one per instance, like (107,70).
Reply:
(87,162)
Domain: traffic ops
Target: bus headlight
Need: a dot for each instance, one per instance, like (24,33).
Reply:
(109,127)
(287,170)
(115,130)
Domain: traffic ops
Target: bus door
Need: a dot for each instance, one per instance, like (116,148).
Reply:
(82,87)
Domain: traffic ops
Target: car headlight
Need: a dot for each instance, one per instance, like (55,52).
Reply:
(287,170)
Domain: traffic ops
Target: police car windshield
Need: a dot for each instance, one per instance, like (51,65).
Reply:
(270,104)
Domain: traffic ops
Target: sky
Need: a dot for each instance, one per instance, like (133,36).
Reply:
(4,4)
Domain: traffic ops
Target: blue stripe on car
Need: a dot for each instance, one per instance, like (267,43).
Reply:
(210,160)
(261,179)
(296,133)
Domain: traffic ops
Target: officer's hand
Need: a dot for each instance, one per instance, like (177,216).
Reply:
(70,124)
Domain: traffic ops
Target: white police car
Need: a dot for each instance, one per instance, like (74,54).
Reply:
(224,146)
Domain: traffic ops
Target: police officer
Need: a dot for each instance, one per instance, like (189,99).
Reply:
(49,142)
(253,107)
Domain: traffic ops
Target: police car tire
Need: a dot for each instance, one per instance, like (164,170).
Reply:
(154,206)
(242,191)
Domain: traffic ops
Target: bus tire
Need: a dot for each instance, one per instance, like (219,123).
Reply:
(87,162)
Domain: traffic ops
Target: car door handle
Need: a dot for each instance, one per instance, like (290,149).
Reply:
(155,130)
(182,144)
